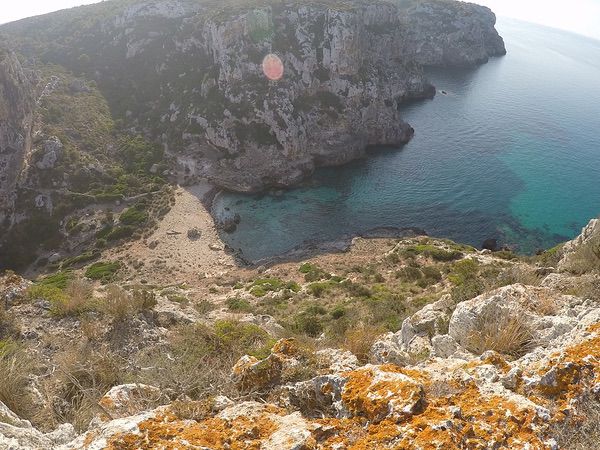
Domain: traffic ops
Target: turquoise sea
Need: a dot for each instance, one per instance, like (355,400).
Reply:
(512,152)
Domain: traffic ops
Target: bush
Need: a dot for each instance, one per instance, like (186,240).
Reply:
(75,301)
(58,280)
(136,215)
(238,304)
(103,271)
(49,293)
(319,288)
(433,252)
(409,273)
(508,334)
(118,233)
(122,305)
(313,273)
(260,287)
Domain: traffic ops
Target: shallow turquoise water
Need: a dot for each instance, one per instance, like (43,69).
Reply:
(511,152)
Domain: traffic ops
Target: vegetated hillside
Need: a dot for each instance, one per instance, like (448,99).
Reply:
(75,164)
(188,73)
(411,343)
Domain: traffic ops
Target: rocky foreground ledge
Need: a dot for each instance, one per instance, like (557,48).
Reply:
(514,367)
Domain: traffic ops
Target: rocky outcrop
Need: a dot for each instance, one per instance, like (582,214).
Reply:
(16,121)
(487,402)
(463,34)
(582,254)
(194,79)
(16,433)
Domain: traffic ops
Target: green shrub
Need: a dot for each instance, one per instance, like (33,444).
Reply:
(506,254)
(121,232)
(58,280)
(136,215)
(433,252)
(338,312)
(463,271)
(260,287)
(103,271)
(409,273)
(320,288)
(313,272)
(356,289)
(50,293)
(238,304)
(308,324)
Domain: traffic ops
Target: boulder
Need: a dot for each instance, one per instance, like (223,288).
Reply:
(18,434)
(540,312)
(583,252)
(388,350)
(128,400)
(332,360)
(52,151)
(251,374)
(319,396)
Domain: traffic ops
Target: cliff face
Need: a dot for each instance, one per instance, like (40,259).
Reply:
(16,120)
(190,75)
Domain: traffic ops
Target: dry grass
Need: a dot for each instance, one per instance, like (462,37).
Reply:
(547,305)
(15,370)
(8,326)
(360,339)
(122,305)
(84,377)
(581,432)
(506,334)
(585,258)
(77,299)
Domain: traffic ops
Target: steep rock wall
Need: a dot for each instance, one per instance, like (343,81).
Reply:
(189,74)
(16,117)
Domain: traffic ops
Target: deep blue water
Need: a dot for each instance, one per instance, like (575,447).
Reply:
(511,152)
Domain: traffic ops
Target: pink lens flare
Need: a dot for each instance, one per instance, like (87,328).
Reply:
(272,67)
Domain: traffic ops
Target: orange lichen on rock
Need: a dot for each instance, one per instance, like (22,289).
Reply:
(469,419)
(164,432)
(466,419)
(376,392)
(567,374)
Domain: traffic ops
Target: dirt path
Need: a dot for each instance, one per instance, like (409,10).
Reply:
(169,256)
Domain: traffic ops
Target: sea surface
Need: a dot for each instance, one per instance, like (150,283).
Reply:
(511,152)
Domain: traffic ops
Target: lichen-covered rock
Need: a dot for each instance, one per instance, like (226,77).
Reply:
(582,254)
(317,397)
(18,434)
(129,399)
(251,374)
(382,392)
(538,312)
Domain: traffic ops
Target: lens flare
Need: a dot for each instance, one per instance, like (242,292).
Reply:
(272,67)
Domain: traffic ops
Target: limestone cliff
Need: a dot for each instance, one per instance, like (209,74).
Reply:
(16,120)
(189,74)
